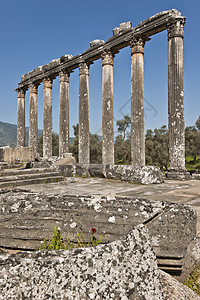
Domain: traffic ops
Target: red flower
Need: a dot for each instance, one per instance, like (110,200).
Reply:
(94,230)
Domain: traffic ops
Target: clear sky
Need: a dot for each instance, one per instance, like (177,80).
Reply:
(32,33)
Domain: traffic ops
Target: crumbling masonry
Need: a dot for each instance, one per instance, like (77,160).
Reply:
(123,36)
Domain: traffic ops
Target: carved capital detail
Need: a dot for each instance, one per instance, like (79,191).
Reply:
(107,57)
(33,89)
(21,93)
(64,76)
(84,68)
(176,28)
(137,45)
(47,83)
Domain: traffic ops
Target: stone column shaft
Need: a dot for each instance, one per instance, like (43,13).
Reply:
(107,109)
(64,114)
(84,138)
(21,118)
(176,96)
(137,103)
(33,120)
(47,119)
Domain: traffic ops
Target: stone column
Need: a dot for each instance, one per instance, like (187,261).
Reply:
(33,122)
(64,114)
(84,138)
(21,118)
(107,108)
(137,103)
(176,96)
(47,119)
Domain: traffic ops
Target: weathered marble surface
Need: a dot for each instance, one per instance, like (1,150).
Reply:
(174,290)
(124,270)
(26,218)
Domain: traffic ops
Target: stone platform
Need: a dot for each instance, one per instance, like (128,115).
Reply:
(183,192)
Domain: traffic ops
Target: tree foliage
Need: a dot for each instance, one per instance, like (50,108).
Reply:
(123,125)
(156,147)
(192,142)
(95,147)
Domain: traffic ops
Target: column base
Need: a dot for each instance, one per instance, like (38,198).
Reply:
(180,174)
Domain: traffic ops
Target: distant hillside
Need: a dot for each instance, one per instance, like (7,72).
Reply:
(8,134)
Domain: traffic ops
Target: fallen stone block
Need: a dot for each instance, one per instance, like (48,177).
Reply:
(27,218)
(125,269)
(174,290)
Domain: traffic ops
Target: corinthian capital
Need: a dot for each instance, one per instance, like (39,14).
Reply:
(107,57)
(64,76)
(21,93)
(33,89)
(137,44)
(84,68)
(47,83)
(176,28)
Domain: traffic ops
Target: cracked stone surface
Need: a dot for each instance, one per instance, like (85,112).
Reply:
(27,218)
(125,269)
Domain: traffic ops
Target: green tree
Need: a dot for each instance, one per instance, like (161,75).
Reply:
(198,123)
(95,147)
(122,150)
(192,142)
(73,148)
(123,125)
(55,145)
(156,147)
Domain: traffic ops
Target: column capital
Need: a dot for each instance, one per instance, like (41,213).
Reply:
(21,93)
(84,68)
(47,83)
(64,76)
(176,28)
(107,57)
(33,88)
(137,44)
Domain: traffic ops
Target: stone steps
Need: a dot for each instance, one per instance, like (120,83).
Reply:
(172,266)
(14,172)
(20,177)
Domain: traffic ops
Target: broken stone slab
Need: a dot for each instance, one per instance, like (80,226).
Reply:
(125,26)
(96,43)
(26,218)
(196,176)
(125,269)
(192,258)
(144,175)
(174,290)
(67,160)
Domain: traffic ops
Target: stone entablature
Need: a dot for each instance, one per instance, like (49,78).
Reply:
(151,26)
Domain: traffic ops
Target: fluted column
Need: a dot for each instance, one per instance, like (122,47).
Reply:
(21,118)
(47,119)
(33,120)
(84,138)
(137,103)
(176,96)
(107,108)
(64,114)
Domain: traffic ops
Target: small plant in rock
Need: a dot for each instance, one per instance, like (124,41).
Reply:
(193,280)
(57,242)
(83,176)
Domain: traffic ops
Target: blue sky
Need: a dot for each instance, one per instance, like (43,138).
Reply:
(32,33)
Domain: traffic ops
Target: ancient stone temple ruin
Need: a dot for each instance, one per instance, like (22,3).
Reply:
(123,36)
